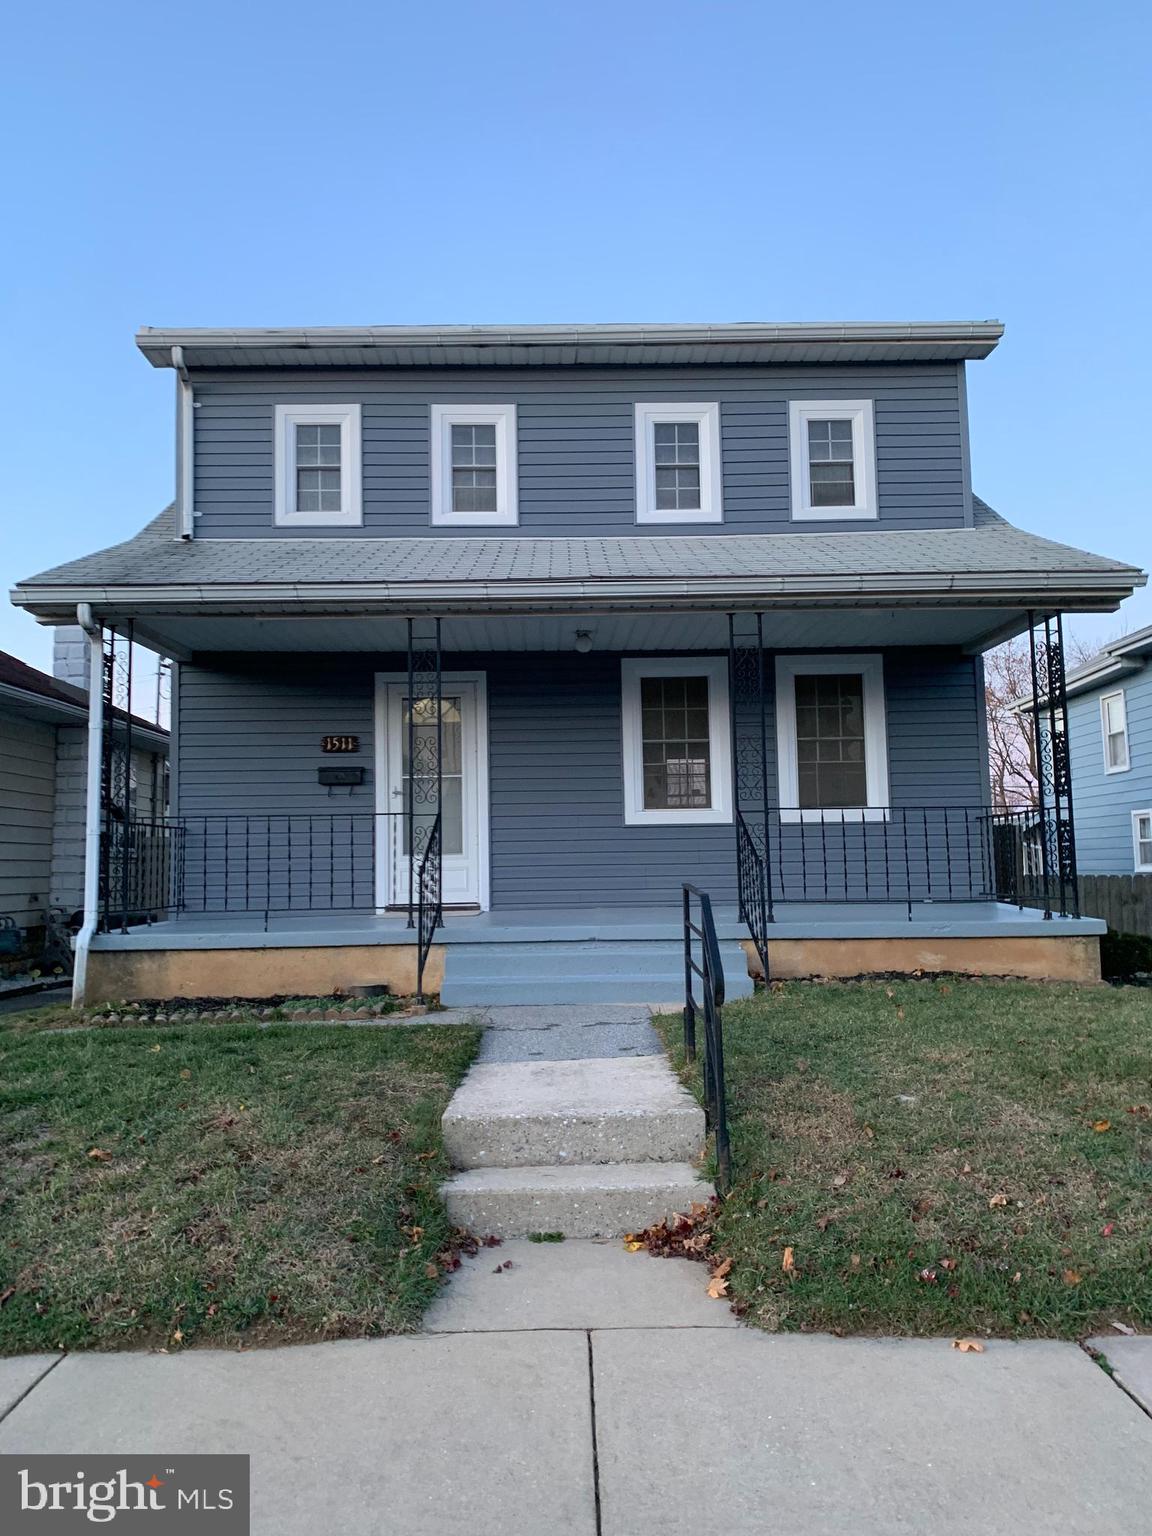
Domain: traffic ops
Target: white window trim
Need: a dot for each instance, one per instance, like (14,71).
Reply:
(1117,693)
(288,418)
(1138,867)
(871,668)
(860,413)
(503,418)
(715,669)
(705,415)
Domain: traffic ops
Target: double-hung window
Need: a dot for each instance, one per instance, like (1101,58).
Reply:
(318,465)
(1142,842)
(833,459)
(1114,730)
(678,463)
(832,738)
(677,757)
(474,465)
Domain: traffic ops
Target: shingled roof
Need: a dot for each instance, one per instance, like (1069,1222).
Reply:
(993,556)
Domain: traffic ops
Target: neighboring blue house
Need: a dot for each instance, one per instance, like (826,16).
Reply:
(507,632)
(1110,725)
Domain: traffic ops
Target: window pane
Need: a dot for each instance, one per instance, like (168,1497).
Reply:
(318,487)
(831,472)
(474,467)
(832,773)
(675,743)
(451,804)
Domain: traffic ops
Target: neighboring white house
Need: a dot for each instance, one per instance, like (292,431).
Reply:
(43,734)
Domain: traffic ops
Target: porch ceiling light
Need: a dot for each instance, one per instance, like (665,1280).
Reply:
(583,641)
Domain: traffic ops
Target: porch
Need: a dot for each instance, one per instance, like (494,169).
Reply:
(590,955)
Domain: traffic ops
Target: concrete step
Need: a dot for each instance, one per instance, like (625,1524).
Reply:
(583,1200)
(517,1114)
(602,971)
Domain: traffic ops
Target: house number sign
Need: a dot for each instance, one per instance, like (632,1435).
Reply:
(340,744)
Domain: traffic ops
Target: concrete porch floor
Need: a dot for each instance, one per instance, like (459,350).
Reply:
(793,920)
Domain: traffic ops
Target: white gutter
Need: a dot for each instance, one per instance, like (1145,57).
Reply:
(185,445)
(91,801)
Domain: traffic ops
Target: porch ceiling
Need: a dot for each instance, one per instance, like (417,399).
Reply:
(791,629)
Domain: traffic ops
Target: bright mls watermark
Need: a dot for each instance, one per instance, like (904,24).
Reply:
(150,1494)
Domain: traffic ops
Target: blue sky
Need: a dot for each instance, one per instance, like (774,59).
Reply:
(274,164)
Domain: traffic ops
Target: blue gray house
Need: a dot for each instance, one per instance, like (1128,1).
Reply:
(1110,725)
(487,639)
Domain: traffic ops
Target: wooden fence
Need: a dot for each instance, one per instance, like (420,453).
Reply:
(1123,901)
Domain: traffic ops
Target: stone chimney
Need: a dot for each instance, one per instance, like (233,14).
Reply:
(70,656)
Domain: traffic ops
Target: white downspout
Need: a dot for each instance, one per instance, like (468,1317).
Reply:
(185,446)
(91,801)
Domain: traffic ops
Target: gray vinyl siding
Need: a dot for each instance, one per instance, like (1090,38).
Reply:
(576,434)
(1104,802)
(249,735)
(27,796)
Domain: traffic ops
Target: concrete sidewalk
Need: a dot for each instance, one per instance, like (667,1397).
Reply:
(623,1432)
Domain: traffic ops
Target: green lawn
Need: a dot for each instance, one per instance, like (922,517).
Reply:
(940,1156)
(220,1184)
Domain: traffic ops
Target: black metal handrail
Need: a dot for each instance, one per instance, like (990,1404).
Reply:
(429,907)
(709,971)
(754,890)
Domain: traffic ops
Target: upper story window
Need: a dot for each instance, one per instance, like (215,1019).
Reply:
(832,738)
(318,474)
(1114,729)
(677,753)
(474,465)
(678,463)
(1142,841)
(833,457)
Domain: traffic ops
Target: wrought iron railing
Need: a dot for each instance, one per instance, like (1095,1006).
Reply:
(702,964)
(429,907)
(909,855)
(753,887)
(270,862)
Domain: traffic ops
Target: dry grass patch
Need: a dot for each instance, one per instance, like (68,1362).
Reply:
(940,1157)
(225,1184)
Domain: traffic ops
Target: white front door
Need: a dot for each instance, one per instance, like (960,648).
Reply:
(464,789)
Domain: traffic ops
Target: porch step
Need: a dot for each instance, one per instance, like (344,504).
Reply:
(583,1200)
(517,1114)
(599,971)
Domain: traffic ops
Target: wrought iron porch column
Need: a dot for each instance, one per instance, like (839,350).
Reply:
(116,775)
(748,716)
(425,749)
(1053,762)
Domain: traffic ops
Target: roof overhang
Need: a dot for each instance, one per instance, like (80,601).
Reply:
(554,346)
(38,706)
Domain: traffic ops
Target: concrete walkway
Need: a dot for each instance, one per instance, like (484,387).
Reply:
(623,1431)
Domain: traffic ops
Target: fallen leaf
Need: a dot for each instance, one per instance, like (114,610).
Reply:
(633,1246)
(928,1276)
(948,1264)
(6,1296)
(869,1132)
(717,1287)
(788,1263)
(968,1346)
(1072,1277)
(1108,1229)
(1101,1125)
(855,1261)
(1122,1328)
(98,1155)
(899,1013)
(432,1271)
(824,1222)
(177,1337)
(185,1072)
(154,1049)
(724,1267)
(998,1199)
(1016,1278)
(839,1181)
